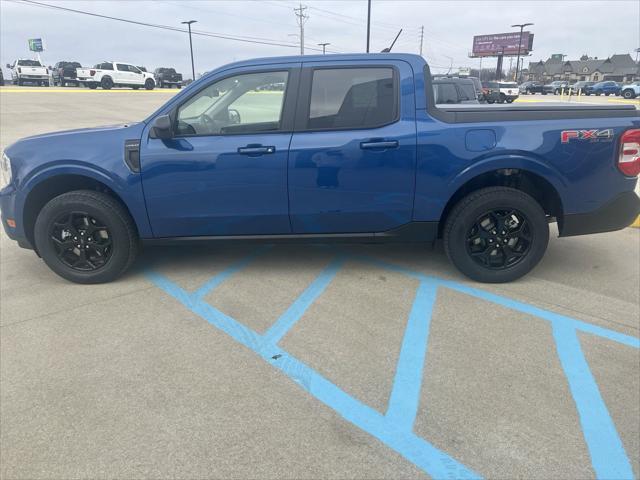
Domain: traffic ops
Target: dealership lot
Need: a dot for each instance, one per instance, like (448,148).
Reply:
(250,361)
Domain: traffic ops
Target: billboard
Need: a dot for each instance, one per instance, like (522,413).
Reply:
(501,44)
(35,44)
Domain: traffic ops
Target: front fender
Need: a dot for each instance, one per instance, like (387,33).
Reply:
(128,189)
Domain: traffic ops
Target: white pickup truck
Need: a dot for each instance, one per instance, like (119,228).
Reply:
(115,74)
(25,70)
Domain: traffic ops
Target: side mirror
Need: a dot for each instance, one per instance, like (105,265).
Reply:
(162,127)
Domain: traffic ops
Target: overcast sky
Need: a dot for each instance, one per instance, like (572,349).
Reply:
(598,28)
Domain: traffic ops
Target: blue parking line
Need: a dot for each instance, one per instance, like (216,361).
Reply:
(394,429)
(608,456)
(289,318)
(216,280)
(405,394)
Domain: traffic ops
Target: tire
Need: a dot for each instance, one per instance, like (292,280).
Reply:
(510,100)
(178,86)
(135,87)
(628,94)
(106,83)
(466,215)
(149,84)
(544,93)
(92,85)
(606,94)
(106,211)
(491,102)
(503,98)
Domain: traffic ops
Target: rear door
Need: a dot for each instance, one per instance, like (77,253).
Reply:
(353,155)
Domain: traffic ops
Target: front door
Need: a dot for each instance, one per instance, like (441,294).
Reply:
(352,159)
(225,170)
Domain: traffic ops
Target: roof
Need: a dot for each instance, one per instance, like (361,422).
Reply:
(414,60)
(618,64)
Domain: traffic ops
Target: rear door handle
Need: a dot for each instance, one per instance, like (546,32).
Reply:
(256,150)
(379,145)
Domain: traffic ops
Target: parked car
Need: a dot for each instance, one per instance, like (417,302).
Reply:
(530,88)
(64,73)
(167,77)
(580,87)
(25,70)
(556,87)
(454,90)
(631,90)
(608,87)
(342,153)
(115,74)
(501,92)
(1,78)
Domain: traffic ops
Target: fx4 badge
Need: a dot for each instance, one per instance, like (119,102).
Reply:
(594,135)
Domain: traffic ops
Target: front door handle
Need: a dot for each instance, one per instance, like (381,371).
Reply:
(256,150)
(379,145)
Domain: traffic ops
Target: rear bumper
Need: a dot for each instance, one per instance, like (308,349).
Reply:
(615,215)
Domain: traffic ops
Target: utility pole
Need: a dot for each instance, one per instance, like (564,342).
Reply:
(368,23)
(324,47)
(301,18)
(421,38)
(521,25)
(193,68)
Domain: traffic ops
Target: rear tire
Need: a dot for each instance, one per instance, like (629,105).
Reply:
(93,86)
(56,234)
(106,83)
(523,242)
(628,94)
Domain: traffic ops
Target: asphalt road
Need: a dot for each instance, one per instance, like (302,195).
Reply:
(246,361)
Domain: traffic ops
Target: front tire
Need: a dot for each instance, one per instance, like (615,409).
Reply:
(628,94)
(86,237)
(149,84)
(496,234)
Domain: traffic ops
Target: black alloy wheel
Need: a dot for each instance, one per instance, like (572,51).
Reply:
(82,242)
(499,239)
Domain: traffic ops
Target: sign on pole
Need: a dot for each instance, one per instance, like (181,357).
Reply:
(502,44)
(35,45)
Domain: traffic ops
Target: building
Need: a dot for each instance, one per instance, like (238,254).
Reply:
(620,68)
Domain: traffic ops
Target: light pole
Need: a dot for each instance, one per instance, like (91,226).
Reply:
(521,25)
(368,23)
(324,47)
(193,68)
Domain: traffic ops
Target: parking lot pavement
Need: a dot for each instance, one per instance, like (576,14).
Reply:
(258,361)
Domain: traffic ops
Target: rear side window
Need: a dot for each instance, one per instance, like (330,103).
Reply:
(344,98)
(445,93)
(467,92)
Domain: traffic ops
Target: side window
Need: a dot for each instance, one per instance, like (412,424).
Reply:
(446,93)
(248,103)
(134,69)
(352,98)
(467,92)
(122,67)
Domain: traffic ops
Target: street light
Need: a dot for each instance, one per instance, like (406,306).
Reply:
(521,25)
(193,68)
(324,46)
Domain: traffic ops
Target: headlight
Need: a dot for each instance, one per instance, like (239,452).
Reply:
(5,171)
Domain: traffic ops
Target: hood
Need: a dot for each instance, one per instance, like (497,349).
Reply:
(100,148)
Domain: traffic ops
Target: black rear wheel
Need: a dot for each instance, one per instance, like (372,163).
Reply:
(86,237)
(106,83)
(496,234)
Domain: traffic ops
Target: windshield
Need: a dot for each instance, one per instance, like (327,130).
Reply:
(29,63)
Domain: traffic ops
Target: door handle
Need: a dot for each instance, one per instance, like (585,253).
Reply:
(379,145)
(256,150)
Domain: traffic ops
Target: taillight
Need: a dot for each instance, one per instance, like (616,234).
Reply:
(92,72)
(629,159)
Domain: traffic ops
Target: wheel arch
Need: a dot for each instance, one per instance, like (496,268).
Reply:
(48,188)
(523,179)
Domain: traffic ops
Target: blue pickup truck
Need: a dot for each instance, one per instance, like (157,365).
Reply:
(322,148)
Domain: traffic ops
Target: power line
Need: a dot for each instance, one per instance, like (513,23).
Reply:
(237,38)
(301,18)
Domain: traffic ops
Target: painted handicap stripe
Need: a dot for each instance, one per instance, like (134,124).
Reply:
(394,429)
